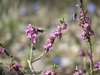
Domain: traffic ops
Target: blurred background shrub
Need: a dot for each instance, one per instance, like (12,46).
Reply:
(15,15)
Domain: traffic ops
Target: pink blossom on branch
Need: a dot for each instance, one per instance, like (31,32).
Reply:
(85,24)
(31,33)
(56,33)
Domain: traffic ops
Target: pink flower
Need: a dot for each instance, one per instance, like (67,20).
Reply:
(91,33)
(56,33)
(64,26)
(50,72)
(90,56)
(78,72)
(15,68)
(84,35)
(31,33)
(97,65)
(81,53)
(1,50)
(85,24)
(48,46)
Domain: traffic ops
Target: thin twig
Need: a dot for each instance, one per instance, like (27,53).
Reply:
(31,57)
(39,57)
(93,71)
(89,39)
(30,65)
(3,64)
(91,61)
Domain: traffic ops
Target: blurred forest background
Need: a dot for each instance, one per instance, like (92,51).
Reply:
(15,15)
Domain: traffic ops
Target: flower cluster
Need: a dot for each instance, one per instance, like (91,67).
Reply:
(31,33)
(15,68)
(85,24)
(1,50)
(56,33)
(78,72)
(97,65)
(50,72)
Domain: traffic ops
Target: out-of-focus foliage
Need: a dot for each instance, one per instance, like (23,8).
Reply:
(15,15)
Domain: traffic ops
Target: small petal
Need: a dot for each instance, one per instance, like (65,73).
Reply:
(1,50)
(81,53)
(97,65)
(50,72)
(64,26)
(90,56)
